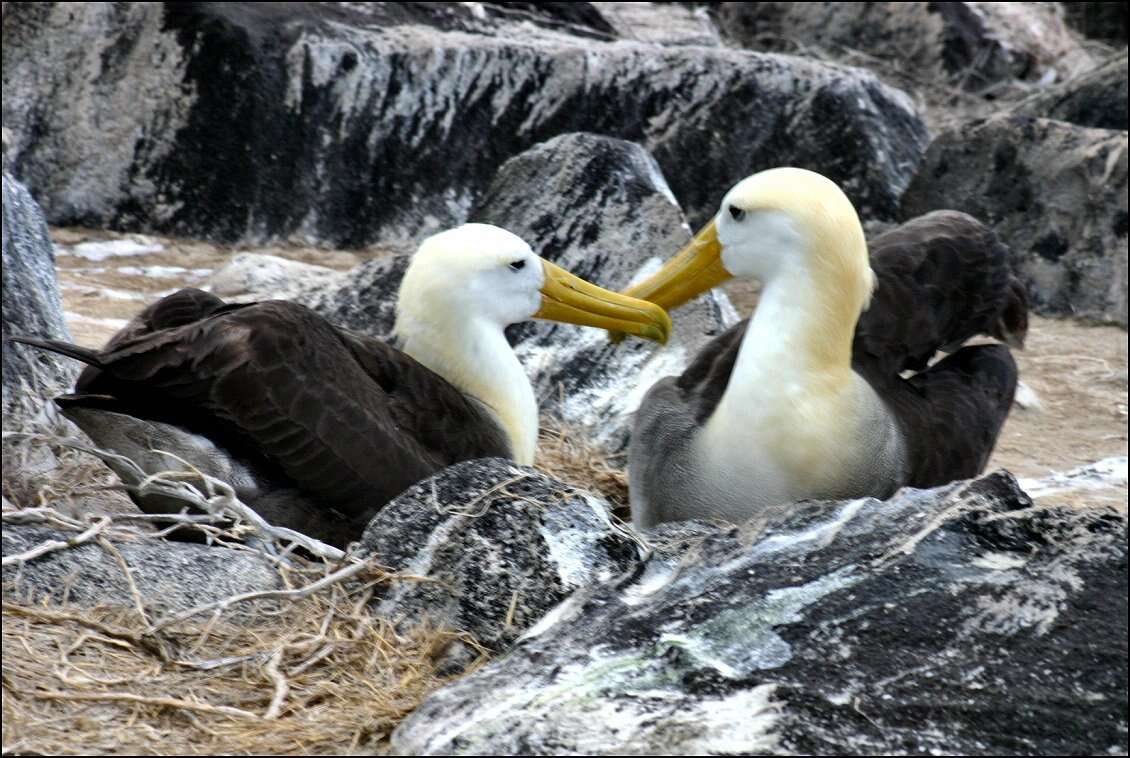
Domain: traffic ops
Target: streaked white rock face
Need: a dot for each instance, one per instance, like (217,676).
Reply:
(955,620)
(367,122)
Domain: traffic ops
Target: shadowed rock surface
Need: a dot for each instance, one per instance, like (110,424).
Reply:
(956,620)
(31,307)
(1096,98)
(1056,195)
(974,45)
(345,123)
(170,576)
(499,546)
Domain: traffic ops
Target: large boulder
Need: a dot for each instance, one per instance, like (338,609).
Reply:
(32,308)
(951,621)
(971,44)
(1096,98)
(489,548)
(1054,192)
(168,576)
(350,122)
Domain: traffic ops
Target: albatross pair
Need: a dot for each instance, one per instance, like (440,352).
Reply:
(317,427)
(805,400)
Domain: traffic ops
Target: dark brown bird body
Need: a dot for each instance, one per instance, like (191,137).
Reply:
(345,420)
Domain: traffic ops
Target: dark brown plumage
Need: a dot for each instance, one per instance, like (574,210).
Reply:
(347,420)
(942,278)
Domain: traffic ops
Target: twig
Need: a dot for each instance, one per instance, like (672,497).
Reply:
(51,546)
(282,687)
(129,697)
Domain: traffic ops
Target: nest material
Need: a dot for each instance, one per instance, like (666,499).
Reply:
(309,669)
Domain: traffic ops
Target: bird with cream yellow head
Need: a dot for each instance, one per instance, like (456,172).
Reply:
(788,406)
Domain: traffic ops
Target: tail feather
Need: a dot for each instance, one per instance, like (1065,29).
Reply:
(86,355)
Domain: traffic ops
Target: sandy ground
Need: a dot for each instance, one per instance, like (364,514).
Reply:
(1078,372)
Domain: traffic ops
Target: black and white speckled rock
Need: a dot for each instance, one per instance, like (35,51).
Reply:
(499,545)
(1097,98)
(170,576)
(957,620)
(31,308)
(347,123)
(1054,192)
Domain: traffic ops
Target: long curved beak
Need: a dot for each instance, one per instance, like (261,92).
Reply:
(569,298)
(694,270)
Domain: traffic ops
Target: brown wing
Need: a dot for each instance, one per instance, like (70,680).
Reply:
(942,278)
(952,413)
(349,419)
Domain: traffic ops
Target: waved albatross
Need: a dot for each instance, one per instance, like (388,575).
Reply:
(805,400)
(317,427)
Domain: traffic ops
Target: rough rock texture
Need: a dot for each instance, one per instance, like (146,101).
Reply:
(257,276)
(956,620)
(660,23)
(1096,98)
(170,576)
(594,205)
(31,307)
(974,44)
(349,122)
(600,208)
(499,544)
(1054,192)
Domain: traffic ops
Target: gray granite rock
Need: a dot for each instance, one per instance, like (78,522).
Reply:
(601,208)
(170,576)
(346,123)
(497,545)
(1055,193)
(959,620)
(1096,98)
(32,307)
(973,45)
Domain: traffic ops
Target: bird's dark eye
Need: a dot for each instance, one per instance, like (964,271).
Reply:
(518,265)
(737,213)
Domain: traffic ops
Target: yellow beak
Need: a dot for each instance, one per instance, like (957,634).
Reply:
(569,298)
(696,269)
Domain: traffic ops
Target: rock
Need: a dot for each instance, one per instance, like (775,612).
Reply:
(257,276)
(1096,98)
(498,545)
(1104,21)
(600,208)
(345,123)
(32,307)
(1055,193)
(972,44)
(660,23)
(170,576)
(1099,482)
(956,620)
